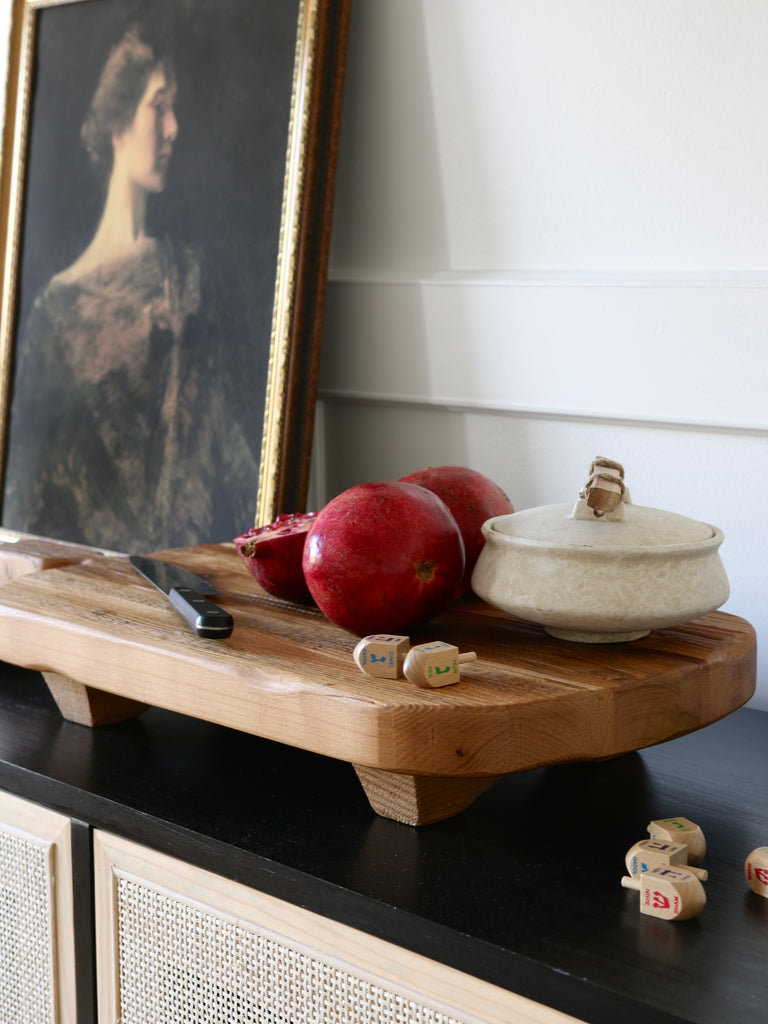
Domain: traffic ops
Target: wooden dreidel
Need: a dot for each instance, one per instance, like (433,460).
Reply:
(756,871)
(435,664)
(656,853)
(673,894)
(681,830)
(382,655)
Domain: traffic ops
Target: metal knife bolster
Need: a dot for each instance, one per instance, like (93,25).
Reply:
(206,618)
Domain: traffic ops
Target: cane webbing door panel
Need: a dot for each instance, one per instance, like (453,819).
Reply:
(37,960)
(178,944)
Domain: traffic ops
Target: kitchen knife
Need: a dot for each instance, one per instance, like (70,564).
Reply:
(185,594)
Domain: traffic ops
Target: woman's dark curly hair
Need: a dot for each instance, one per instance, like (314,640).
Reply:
(121,86)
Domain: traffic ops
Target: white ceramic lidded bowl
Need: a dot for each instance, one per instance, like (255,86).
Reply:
(602,570)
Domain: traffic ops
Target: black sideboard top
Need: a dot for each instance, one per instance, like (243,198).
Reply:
(522,889)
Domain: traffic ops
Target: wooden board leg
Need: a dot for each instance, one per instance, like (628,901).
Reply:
(87,706)
(418,799)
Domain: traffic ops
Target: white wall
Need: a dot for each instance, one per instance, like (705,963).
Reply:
(551,242)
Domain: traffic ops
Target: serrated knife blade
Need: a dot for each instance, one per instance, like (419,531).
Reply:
(185,592)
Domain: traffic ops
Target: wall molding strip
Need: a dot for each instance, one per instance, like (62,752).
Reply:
(684,350)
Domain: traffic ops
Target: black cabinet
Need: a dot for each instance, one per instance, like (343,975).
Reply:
(513,910)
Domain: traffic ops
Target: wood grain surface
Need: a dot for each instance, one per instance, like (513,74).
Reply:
(288,674)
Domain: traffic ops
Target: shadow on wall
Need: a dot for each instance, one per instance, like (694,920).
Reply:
(408,440)
(389,212)
(391,225)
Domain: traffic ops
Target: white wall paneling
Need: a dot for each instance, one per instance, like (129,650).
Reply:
(556,135)
(646,347)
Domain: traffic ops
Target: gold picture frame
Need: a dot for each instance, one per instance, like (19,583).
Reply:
(253,124)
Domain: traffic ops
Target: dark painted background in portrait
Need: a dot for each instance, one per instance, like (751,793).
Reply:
(234,66)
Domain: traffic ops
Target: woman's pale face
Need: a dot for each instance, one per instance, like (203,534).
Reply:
(143,150)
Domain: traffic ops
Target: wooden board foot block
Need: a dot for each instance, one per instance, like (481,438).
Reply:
(86,706)
(418,799)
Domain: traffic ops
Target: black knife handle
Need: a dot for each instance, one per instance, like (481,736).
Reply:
(206,618)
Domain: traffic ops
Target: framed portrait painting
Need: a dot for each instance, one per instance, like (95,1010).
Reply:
(167,183)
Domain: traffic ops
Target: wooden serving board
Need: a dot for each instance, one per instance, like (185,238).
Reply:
(109,644)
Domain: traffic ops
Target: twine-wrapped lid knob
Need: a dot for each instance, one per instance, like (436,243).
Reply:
(604,494)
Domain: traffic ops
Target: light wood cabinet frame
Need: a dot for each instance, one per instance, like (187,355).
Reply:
(30,821)
(442,989)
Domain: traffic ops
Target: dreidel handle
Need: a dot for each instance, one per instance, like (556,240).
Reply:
(701,873)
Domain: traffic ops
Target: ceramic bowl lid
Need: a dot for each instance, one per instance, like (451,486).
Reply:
(603,517)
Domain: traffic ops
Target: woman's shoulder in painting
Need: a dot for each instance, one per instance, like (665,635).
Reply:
(160,282)
(104,263)
(113,270)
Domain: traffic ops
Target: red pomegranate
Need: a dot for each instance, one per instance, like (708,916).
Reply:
(472,498)
(272,555)
(383,557)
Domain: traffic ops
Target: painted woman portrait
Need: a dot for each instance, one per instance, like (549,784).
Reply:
(123,427)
